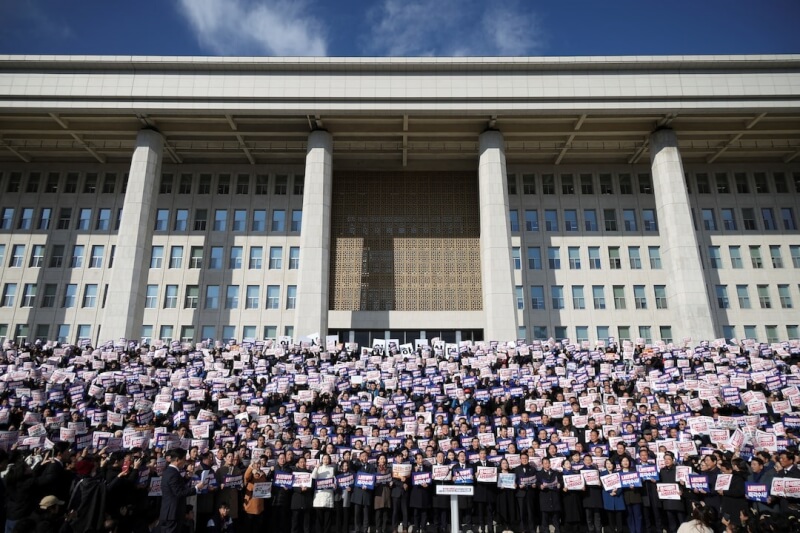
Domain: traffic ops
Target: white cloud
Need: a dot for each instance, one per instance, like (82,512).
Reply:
(255,27)
(453,28)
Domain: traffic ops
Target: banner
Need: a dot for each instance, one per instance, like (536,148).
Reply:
(486,474)
(365,480)
(421,478)
(574,482)
(668,491)
(756,492)
(611,481)
(262,490)
(698,482)
(507,481)
(630,480)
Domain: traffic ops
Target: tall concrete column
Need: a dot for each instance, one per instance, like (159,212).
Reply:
(126,292)
(497,275)
(311,314)
(686,287)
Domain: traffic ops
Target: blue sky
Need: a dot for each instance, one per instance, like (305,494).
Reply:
(398,27)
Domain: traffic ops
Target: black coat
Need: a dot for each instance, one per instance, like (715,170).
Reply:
(733,500)
(523,472)
(281,497)
(593,496)
(421,497)
(174,490)
(667,475)
(302,500)
(549,499)
(362,496)
(484,492)
(55,480)
(572,503)
(712,499)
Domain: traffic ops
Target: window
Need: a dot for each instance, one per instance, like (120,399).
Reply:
(57,256)
(567,184)
(534,258)
(794,251)
(176,257)
(634,258)
(528,184)
(516,258)
(723,186)
(239,220)
(44,218)
(77,256)
(162,219)
(28,295)
(151,297)
(251,299)
(291,297)
(598,297)
(578,300)
(90,295)
(763,296)
(221,220)
(590,220)
(594,258)
(785,296)
(742,186)
(629,219)
(548,184)
(204,184)
(554,257)
(557,293)
(645,184)
(792,332)
(90,184)
(25,218)
(196,257)
(537,297)
(781,186)
(273,297)
(49,297)
(654,253)
(574,253)
(513,219)
(606,184)
(702,184)
(714,258)
(235,260)
(232,297)
(70,295)
(749,219)
(728,219)
(181,219)
(2,253)
(294,258)
(166,333)
(278,220)
(259,220)
(603,332)
(625,184)
(103,220)
(297,220)
(215,259)
(64,218)
(256,258)
(787,215)
(262,184)
(743,295)
(614,258)
(755,257)
(71,185)
(531,220)
(52,183)
(570,220)
(649,220)
(750,332)
(736,256)
(96,259)
(243,184)
(550,220)
(639,297)
(84,218)
(109,183)
(187,333)
(171,297)
(644,333)
(582,333)
(224,184)
(33,182)
(511,183)
(660,292)
(762,185)
(587,187)
(212,297)
(166,184)
(722,296)
(610,219)
(768,216)
(156,256)
(709,220)
(280,185)
(275,257)
(520,296)
(200,219)
(17,256)
(775,255)
(299,185)
(619,296)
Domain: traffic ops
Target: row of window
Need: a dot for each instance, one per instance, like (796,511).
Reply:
(756,259)
(630,220)
(534,257)
(42,331)
(763,292)
(16,256)
(625,183)
(578,295)
(748,220)
(166,332)
(108,183)
(28,219)
(71,296)
(216,256)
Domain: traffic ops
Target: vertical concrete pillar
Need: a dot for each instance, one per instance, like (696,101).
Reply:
(126,292)
(686,286)
(311,314)
(497,277)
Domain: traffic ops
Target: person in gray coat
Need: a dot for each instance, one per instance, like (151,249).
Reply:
(759,473)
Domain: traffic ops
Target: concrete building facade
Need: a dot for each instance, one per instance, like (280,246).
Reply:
(472,198)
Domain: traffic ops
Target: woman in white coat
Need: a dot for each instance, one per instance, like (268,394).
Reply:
(325,481)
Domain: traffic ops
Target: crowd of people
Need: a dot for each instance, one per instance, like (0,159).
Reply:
(332,437)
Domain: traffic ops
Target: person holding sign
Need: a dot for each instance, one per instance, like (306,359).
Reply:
(733,500)
(613,501)
(253,507)
(674,509)
(485,491)
(573,510)
(632,497)
(341,498)
(325,478)
(401,476)
(421,496)
(302,501)
(441,504)
(550,484)
(759,475)
(382,498)
(527,500)
(282,494)
(227,493)
(174,491)
(362,495)
(592,498)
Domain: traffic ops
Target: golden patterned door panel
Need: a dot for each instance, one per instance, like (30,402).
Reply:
(407,241)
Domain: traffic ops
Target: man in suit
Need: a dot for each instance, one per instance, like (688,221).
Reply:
(174,491)
(526,495)
(54,477)
(484,495)
(789,469)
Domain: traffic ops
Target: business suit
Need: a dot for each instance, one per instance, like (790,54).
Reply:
(174,490)
(484,497)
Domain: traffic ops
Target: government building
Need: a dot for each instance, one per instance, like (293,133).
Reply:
(582,198)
